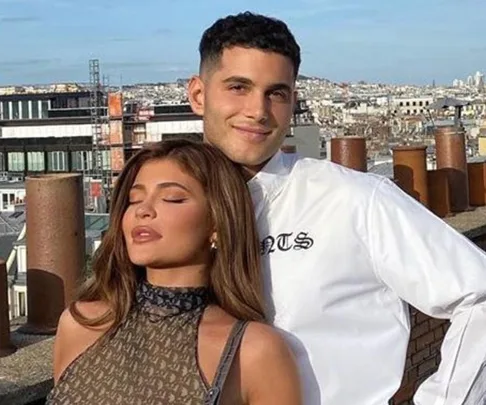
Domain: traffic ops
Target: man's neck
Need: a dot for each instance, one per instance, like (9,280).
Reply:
(251,171)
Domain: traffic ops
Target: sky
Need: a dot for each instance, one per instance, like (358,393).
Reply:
(387,41)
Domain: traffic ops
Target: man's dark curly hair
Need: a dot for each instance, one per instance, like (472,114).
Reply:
(248,30)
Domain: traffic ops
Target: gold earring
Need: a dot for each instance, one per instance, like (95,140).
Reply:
(213,245)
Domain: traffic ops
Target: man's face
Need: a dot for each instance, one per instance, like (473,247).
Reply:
(247,101)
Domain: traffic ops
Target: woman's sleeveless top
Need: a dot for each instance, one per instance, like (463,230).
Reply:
(151,359)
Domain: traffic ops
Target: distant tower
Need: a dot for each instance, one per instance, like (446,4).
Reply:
(477,78)
(481,86)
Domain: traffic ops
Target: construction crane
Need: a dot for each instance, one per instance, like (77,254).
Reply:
(97,167)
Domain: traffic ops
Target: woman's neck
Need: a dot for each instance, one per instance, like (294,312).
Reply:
(186,276)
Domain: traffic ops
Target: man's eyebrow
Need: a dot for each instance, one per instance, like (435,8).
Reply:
(238,79)
(280,86)
(245,80)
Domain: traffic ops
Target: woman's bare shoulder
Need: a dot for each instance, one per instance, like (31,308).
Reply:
(69,327)
(269,370)
(73,338)
(262,342)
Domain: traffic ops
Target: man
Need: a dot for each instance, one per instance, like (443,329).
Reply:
(344,252)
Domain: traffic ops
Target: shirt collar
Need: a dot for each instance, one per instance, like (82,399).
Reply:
(269,181)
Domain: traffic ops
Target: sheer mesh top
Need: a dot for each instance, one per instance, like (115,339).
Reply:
(152,357)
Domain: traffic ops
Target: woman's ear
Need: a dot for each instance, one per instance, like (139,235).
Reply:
(213,241)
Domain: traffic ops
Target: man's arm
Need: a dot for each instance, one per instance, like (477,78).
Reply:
(477,395)
(440,272)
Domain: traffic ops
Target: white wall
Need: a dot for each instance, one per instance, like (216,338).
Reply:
(307,140)
(22,258)
(17,308)
(6,197)
(96,244)
(412,109)
(44,131)
(156,129)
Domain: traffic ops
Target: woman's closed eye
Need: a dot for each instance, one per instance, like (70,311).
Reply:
(175,200)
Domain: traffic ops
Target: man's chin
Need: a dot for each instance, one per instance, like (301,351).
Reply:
(243,160)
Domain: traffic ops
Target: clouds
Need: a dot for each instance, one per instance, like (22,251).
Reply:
(26,62)
(19,20)
(157,39)
(121,40)
(152,66)
(304,9)
(43,3)
(24,66)
(17,12)
(163,31)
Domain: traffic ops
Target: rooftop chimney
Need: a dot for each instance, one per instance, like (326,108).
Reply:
(350,151)
(476,173)
(439,194)
(450,147)
(410,171)
(6,346)
(55,247)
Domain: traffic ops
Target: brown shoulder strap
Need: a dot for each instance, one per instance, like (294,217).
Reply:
(227,358)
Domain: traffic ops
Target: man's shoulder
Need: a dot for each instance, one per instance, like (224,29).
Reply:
(327,175)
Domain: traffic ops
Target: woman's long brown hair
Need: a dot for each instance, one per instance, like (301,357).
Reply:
(234,273)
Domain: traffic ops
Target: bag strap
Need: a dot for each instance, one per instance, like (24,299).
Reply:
(227,358)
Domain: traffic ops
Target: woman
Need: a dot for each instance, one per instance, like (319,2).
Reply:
(173,313)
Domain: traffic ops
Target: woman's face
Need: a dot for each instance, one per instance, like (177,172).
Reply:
(167,222)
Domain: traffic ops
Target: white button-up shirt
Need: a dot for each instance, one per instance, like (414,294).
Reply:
(344,252)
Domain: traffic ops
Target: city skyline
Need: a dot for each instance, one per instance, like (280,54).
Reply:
(397,43)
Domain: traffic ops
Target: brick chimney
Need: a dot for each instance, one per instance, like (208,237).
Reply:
(410,171)
(450,146)
(350,151)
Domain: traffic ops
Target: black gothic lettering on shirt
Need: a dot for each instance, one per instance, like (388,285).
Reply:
(284,242)
(302,241)
(266,245)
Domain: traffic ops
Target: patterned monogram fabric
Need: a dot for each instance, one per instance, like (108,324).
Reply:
(151,359)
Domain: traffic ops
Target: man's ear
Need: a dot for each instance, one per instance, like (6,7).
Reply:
(196,95)
(295,97)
